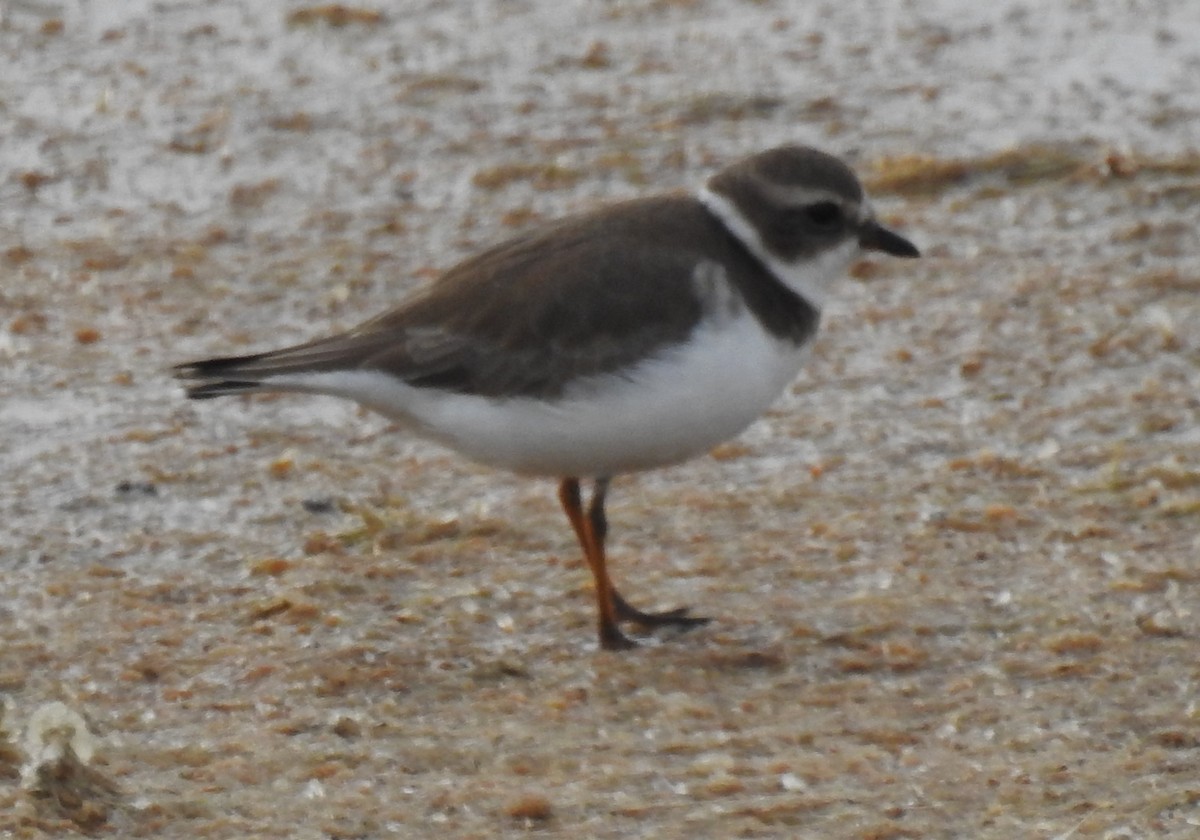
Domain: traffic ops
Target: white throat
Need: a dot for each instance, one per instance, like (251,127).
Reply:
(809,277)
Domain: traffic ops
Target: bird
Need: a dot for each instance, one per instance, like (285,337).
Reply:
(630,337)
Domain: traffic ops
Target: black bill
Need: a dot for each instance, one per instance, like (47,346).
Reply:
(875,237)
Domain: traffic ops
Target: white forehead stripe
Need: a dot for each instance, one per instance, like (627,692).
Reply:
(865,211)
(794,195)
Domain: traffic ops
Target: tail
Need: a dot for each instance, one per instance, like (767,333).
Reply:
(227,375)
(279,370)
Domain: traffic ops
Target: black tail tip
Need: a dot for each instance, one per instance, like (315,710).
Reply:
(207,378)
(208,390)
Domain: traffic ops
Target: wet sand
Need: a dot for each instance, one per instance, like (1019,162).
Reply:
(953,574)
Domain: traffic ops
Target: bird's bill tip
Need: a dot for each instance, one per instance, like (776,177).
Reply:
(875,237)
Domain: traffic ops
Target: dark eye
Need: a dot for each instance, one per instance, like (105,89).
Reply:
(824,215)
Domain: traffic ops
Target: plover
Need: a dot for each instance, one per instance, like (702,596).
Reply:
(635,336)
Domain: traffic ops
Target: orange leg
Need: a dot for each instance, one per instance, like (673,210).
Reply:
(611,637)
(591,530)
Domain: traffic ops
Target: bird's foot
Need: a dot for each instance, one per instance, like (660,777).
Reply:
(677,617)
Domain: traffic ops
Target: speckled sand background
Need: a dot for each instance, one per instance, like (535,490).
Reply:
(954,574)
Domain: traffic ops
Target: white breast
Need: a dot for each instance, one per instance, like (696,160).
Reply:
(670,407)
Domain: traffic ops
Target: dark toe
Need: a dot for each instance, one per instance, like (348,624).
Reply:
(677,617)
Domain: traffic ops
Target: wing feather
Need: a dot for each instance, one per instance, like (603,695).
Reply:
(590,295)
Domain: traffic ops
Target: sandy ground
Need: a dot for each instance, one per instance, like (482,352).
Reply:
(954,573)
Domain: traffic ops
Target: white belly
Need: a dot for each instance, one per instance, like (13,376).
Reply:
(672,407)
